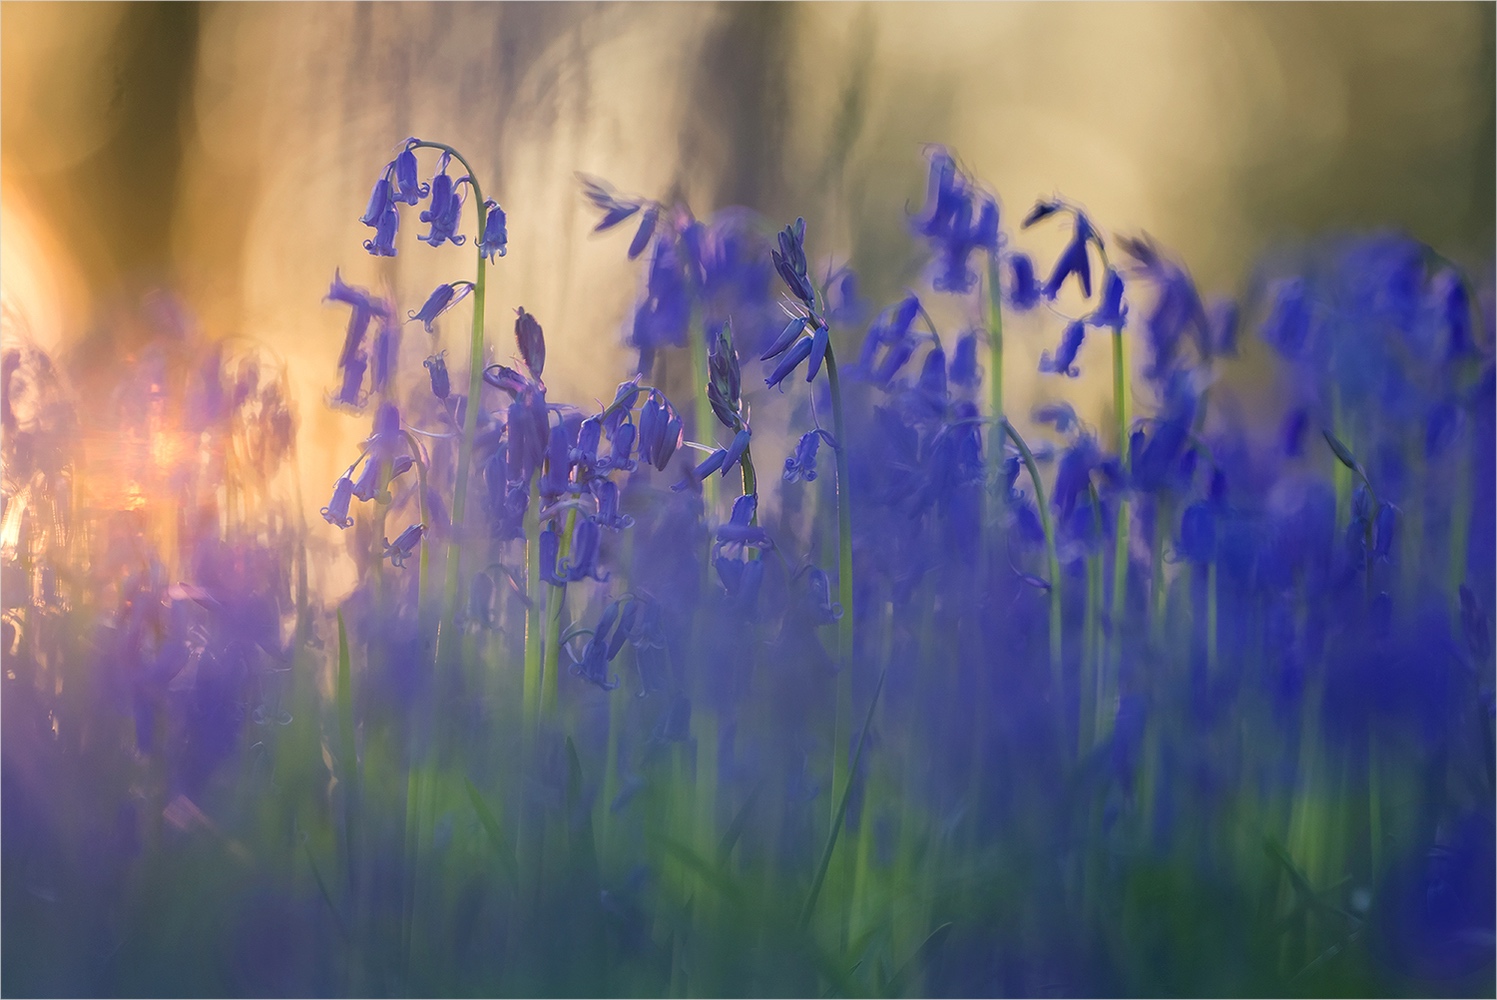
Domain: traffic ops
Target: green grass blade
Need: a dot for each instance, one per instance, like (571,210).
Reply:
(922,957)
(584,854)
(326,895)
(497,839)
(841,814)
(736,828)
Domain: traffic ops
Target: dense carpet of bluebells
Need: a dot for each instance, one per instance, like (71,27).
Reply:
(802,665)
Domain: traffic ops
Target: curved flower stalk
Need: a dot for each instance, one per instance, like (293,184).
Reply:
(400,185)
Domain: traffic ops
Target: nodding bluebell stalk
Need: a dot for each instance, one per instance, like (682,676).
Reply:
(1051,558)
(491,242)
(797,346)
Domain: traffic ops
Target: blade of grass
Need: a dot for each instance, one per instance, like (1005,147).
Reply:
(736,828)
(326,895)
(831,839)
(921,957)
(495,832)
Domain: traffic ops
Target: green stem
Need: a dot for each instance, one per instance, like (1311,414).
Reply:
(1051,558)
(843,721)
(995,343)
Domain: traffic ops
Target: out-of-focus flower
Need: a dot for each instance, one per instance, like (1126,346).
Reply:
(532,341)
(495,239)
(336,511)
(404,545)
(1064,360)
(436,366)
(442,298)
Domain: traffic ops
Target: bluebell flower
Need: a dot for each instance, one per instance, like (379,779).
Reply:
(410,189)
(1222,318)
(441,385)
(506,379)
(352,359)
(336,511)
(1061,415)
(593,667)
(445,209)
(557,473)
(664,316)
(1292,433)
(585,450)
(1111,312)
(1024,287)
(380,200)
(790,262)
(1384,527)
(582,560)
(386,439)
(615,209)
(841,299)
(932,382)
(1288,325)
(788,336)
(383,243)
(351,391)
(890,332)
(739,529)
(495,240)
(964,370)
(659,430)
(608,516)
(1073,473)
(405,543)
(1043,209)
(1064,361)
(824,611)
(735,451)
(621,449)
(550,548)
(957,220)
(645,231)
(1073,260)
(1198,533)
(481,600)
(384,352)
(696,475)
(532,342)
(799,352)
(442,298)
(801,467)
(624,631)
(820,341)
(724,381)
